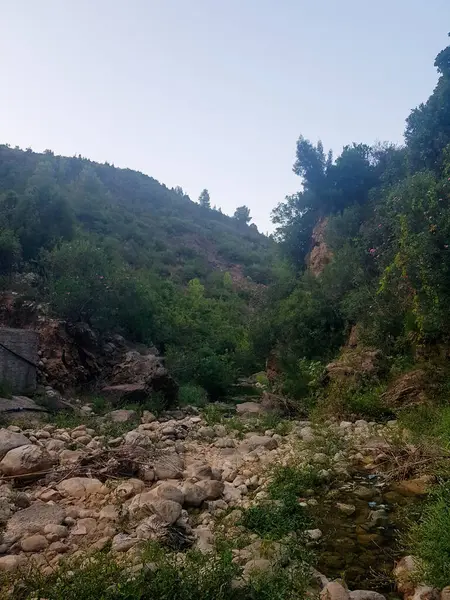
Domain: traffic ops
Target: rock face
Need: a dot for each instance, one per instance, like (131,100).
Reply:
(146,371)
(26,459)
(356,363)
(408,390)
(320,254)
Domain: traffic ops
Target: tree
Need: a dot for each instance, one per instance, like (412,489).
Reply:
(10,252)
(204,199)
(242,214)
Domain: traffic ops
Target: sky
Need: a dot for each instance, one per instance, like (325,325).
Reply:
(214,94)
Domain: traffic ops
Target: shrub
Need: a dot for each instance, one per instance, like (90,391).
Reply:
(192,395)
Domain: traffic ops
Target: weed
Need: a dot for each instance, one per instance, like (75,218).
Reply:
(430,539)
(192,395)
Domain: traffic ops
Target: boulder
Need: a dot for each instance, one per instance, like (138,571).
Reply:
(33,519)
(122,416)
(169,466)
(25,460)
(77,487)
(366,595)
(194,495)
(267,442)
(34,543)
(211,488)
(334,591)
(148,371)
(249,409)
(11,562)
(10,440)
(125,393)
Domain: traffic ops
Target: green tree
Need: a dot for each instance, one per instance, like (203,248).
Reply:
(10,252)
(242,214)
(204,199)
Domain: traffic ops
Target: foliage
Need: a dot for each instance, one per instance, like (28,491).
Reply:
(281,513)
(192,395)
(192,576)
(204,199)
(430,539)
(242,214)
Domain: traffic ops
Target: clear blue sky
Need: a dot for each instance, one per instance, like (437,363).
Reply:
(214,93)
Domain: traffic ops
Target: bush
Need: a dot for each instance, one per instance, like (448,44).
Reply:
(192,395)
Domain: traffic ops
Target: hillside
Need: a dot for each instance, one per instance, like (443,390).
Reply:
(118,250)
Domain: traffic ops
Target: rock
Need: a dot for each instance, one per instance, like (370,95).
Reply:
(414,487)
(34,519)
(137,438)
(149,372)
(249,409)
(211,488)
(84,526)
(129,488)
(169,466)
(10,440)
(122,416)
(363,493)
(11,562)
(34,543)
(5,510)
(55,445)
(404,574)
(255,566)
(205,539)
(125,393)
(123,542)
(55,532)
(151,528)
(70,457)
(366,595)
(334,591)
(167,511)
(26,459)
(206,433)
(347,509)
(307,434)
(147,417)
(425,592)
(81,486)
(194,495)
(445,593)
(259,440)
(231,494)
(313,534)
(200,471)
(109,513)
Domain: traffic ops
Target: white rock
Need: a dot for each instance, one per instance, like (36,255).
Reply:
(26,459)
(81,486)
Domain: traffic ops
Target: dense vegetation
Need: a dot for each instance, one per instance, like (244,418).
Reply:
(117,249)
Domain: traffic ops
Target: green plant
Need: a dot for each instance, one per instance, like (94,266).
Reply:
(430,539)
(192,395)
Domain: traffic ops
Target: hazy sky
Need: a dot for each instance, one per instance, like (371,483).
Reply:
(214,93)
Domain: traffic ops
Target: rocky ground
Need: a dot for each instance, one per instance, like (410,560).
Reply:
(187,478)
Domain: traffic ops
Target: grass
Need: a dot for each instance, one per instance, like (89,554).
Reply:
(428,422)
(281,514)
(164,576)
(215,415)
(192,395)
(430,539)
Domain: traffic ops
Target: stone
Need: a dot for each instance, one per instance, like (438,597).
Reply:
(167,491)
(404,574)
(55,532)
(313,534)
(307,434)
(334,591)
(70,457)
(212,488)
(129,488)
(255,566)
(84,526)
(122,416)
(194,495)
(34,543)
(11,562)
(206,433)
(204,539)
(55,445)
(169,466)
(147,417)
(76,487)
(34,519)
(363,493)
(148,503)
(167,511)
(10,440)
(137,438)
(445,593)
(249,408)
(260,440)
(123,542)
(26,459)
(366,595)
(414,487)
(347,509)
(425,592)
(109,513)
(200,471)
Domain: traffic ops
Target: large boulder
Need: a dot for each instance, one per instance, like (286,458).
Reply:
(27,459)
(147,371)
(33,520)
(77,487)
(10,440)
